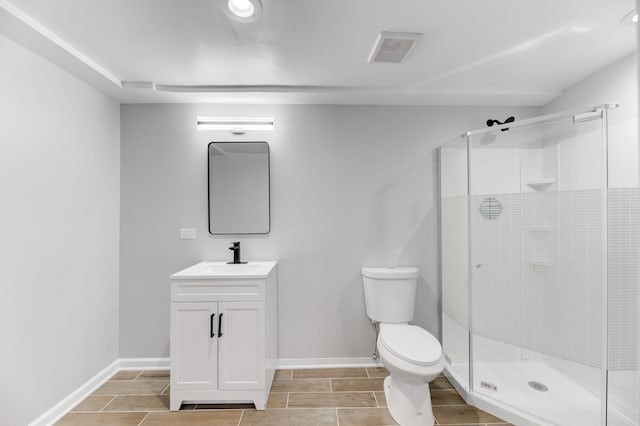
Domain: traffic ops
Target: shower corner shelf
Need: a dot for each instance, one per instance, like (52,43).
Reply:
(540,184)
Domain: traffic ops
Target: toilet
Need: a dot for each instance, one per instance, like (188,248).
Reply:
(412,355)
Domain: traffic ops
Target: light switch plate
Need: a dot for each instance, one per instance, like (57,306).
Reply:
(187,234)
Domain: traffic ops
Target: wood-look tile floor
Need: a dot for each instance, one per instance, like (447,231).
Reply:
(309,397)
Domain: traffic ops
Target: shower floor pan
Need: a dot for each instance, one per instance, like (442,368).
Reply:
(507,393)
(564,403)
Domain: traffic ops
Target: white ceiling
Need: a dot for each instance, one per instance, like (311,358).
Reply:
(474,52)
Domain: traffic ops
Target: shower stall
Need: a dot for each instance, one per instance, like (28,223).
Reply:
(540,246)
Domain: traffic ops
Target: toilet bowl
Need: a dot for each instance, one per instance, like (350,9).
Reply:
(412,355)
(414,358)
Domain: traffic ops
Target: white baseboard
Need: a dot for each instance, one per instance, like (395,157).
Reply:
(296,363)
(56,412)
(143,364)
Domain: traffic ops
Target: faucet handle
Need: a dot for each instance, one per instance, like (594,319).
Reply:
(236,245)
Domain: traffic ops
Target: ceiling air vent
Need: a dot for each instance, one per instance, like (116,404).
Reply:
(393,47)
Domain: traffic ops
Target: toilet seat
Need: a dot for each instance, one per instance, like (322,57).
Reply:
(411,343)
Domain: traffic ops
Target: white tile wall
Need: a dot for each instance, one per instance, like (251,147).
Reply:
(496,270)
(624,278)
(539,283)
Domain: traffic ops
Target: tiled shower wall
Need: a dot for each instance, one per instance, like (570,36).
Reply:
(624,278)
(537,274)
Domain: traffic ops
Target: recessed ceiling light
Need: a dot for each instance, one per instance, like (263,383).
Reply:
(630,18)
(242,10)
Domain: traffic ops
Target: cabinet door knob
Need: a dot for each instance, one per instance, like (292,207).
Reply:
(220,326)
(212,334)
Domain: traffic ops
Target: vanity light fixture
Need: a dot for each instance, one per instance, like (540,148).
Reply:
(242,10)
(630,18)
(236,125)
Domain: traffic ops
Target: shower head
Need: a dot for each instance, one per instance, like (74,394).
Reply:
(491,122)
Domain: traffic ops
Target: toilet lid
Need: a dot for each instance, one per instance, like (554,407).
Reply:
(411,343)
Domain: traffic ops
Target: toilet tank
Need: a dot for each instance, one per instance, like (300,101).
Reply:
(390,293)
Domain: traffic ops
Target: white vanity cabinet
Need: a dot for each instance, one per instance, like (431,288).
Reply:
(223,333)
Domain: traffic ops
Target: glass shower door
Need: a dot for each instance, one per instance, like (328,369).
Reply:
(455,258)
(623,380)
(537,268)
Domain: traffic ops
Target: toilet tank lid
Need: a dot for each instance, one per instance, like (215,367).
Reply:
(391,273)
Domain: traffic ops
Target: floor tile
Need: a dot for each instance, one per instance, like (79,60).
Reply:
(380,398)
(283,375)
(93,403)
(139,403)
(462,414)
(339,399)
(101,419)
(352,396)
(301,385)
(377,372)
(357,385)
(145,387)
(319,373)
(446,397)
(167,391)
(297,417)
(154,375)
(126,375)
(365,416)
(440,382)
(277,400)
(193,418)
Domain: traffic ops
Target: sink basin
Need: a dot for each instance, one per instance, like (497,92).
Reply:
(213,270)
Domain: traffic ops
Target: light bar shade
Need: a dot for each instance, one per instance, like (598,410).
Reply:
(235,123)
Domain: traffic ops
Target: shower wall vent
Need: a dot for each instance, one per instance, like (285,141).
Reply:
(490,208)
(393,47)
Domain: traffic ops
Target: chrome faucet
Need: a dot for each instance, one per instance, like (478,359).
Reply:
(236,252)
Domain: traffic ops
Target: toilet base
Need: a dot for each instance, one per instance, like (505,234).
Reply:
(409,404)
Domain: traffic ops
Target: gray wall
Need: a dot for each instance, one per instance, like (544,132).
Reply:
(614,83)
(59,220)
(351,186)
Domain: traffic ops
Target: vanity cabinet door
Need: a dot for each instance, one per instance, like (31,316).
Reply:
(242,345)
(194,345)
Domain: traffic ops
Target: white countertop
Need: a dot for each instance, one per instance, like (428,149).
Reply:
(223,270)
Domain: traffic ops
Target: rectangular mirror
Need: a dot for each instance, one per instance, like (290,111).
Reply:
(239,188)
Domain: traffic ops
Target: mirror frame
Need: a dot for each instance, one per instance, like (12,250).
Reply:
(268,189)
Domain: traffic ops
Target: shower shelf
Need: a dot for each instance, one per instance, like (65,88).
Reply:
(540,184)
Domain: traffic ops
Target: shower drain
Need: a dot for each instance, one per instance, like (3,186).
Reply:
(538,386)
